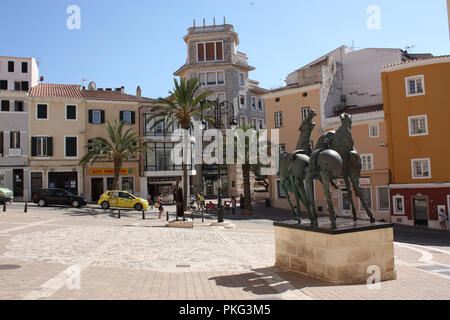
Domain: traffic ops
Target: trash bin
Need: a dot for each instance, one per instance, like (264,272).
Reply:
(267,203)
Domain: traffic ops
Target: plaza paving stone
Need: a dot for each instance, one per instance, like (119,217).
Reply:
(131,258)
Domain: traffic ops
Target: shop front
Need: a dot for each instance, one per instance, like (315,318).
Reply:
(101,179)
(212,180)
(164,185)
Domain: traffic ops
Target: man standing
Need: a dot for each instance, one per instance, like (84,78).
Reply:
(442,218)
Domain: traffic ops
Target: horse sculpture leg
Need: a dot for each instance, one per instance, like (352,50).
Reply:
(326,177)
(286,192)
(304,197)
(357,188)
(349,192)
(310,195)
(297,198)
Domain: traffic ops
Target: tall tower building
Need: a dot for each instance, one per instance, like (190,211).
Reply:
(213,58)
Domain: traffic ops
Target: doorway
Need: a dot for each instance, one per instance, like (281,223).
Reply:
(96,188)
(36,182)
(420,211)
(18,183)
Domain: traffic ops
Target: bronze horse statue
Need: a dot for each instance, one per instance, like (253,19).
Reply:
(292,167)
(336,157)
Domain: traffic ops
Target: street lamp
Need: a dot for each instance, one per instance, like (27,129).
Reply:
(220,109)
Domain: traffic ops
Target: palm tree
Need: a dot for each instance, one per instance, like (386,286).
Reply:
(185,103)
(118,147)
(247,168)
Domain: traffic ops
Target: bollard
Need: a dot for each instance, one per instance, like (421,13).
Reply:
(119,215)
(167,214)
(203,220)
(4,206)
(26,207)
(143,214)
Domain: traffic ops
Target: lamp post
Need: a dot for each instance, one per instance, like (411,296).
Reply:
(221,109)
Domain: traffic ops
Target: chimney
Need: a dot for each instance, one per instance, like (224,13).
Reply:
(122,89)
(138,92)
(194,23)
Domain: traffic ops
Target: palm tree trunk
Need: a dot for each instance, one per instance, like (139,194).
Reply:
(117,167)
(185,173)
(247,192)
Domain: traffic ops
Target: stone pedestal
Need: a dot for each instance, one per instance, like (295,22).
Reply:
(181,224)
(340,256)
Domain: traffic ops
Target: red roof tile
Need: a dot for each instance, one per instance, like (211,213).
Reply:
(107,95)
(56,91)
(413,61)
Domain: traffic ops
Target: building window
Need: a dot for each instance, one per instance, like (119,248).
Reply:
(367,162)
(243,120)
(96,116)
(24,86)
(1,144)
(383,199)
(241,79)
(260,105)
(278,119)
(374,130)
(305,112)
(17,85)
(71,112)
(41,146)
(211,78)
(280,192)
(261,124)
(160,129)
(421,168)
(42,112)
(366,194)
(253,103)
(10,66)
(24,67)
(399,204)
(254,124)
(126,117)
(18,106)
(14,141)
(209,51)
(71,147)
(159,157)
(2,180)
(3,85)
(418,125)
(5,105)
(415,86)
(242,101)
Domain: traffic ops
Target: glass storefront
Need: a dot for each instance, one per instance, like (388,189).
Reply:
(211,180)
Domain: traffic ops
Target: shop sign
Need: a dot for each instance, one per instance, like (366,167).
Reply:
(111,171)
(162,179)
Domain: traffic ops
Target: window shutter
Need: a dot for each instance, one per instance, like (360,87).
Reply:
(121,115)
(90,116)
(133,117)
(50,146)
(102,116)
(33,146)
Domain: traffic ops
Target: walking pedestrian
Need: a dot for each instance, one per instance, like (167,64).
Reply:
(442,216)
(159,205)
(233,205)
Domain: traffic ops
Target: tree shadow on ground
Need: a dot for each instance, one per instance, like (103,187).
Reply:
(269,281)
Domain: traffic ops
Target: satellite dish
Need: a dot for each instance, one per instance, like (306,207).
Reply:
(92,85)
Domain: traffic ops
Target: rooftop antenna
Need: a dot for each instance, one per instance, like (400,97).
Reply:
(38,61)
(407,47)
(353,45)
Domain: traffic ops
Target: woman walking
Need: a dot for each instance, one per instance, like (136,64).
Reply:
(160,203)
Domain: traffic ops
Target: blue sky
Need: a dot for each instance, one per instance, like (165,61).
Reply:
(139,42)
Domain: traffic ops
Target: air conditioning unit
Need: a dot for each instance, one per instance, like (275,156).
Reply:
(15,152)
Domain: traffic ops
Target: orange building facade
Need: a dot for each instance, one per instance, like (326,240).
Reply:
(417,109)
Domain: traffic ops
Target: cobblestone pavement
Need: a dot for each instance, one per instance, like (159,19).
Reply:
(43,251)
